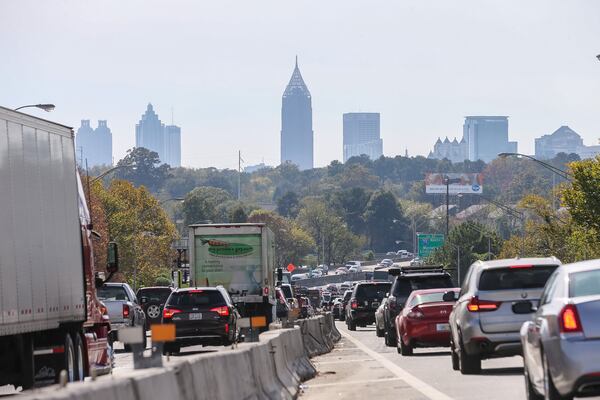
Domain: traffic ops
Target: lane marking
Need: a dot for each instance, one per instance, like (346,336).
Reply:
(428,390)
(362,382)
(344,361)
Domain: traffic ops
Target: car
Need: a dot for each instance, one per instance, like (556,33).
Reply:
(298,277)
(387,262)
(365,299)
(379,319)
(341,271)
(406,280)
(354,264)
(495,300)
(345,299)
(316,273)
(123,309)
(402,253)
(336,309)
(417,261)
(561,342)
(325,299)
(345,286)
(282,307)
(202,316)
(423,321)
(354,269)
(153,299)
(288,292)
(390,253)
(333,288)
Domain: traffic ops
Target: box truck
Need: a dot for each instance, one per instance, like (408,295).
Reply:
(50,317)
(239,257)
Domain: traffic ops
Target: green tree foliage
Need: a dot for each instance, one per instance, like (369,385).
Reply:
(205,204)
(143,167)
(351,205)
(292,243)
(142,229)
(472,239)
(287,205)
(385,221)
(238,215)
(583,196)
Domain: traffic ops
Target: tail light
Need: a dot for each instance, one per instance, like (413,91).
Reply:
(226,328)
(169,312)
(416,312)
(222,311)
(125,311)
(103,309)
(354,304)
(569,319)
(476,305)
(266,291)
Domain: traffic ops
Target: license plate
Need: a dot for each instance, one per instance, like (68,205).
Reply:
(195,316)
(442,327)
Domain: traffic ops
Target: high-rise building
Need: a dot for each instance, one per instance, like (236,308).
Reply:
(486,136)
(173,145)
(296,123)
(563,140)
(152,134)
(362,135)
(94,145)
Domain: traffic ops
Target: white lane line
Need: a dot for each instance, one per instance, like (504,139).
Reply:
(428,390)
(343,361)
(362,382)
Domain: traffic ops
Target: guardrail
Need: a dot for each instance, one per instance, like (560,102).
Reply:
(272,368)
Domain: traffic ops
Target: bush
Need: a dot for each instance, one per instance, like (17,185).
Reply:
(163,281)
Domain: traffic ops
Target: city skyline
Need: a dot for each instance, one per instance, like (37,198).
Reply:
(490,60)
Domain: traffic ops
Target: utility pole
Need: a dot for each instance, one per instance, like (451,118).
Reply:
(447,207)
(239,196)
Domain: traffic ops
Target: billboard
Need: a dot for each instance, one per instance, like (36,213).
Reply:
(459,183)
(428,242)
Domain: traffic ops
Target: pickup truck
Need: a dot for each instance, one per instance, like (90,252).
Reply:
(123,308)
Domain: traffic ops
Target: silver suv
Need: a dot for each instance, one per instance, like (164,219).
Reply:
(495,299)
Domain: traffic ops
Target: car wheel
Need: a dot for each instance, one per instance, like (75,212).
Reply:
(351,325)
(389,338)
(405,350)
(454,355)
(469,365)
(378,332)
(529,390)
(550,392)
(343,317)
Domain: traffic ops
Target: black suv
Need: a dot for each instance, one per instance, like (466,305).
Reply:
(407,280)
(203,315)
(363,303)
(152,300)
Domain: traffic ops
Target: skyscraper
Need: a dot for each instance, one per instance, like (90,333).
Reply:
(296,123)
(486,136)
(152,134)
(362,135)
(94,145)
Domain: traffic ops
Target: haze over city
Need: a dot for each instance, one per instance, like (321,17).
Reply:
(222,68)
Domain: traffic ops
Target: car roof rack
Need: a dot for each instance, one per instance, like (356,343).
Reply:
(416,270)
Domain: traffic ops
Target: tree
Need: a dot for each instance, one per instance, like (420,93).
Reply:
(287,205)
(141,228)
(351,204)
(582,198)
(143,167)
(202,204)
(238,215)
(385,221)
(292,243)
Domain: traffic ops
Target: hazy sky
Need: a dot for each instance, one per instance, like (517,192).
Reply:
(223,65)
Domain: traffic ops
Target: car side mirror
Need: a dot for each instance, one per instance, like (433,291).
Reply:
(449,296)
(112,264)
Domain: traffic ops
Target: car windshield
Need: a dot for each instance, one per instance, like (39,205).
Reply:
(586,283)
(521,277)
(112,293)
(196,298)
(372,291)
(154,295)
(429,298)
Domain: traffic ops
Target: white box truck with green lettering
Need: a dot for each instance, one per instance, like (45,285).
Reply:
(239,257)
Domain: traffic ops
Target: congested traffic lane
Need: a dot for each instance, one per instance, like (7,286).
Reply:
(361,365)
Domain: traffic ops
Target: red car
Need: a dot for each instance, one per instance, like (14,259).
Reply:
(424,320)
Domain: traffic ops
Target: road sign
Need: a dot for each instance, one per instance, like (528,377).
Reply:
(428,242)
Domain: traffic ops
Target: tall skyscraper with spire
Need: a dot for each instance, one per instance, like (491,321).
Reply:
(152,134)
(296,123)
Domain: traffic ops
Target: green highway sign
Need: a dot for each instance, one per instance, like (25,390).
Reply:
(428,242)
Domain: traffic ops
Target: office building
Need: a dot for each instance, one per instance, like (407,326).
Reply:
(296,123)
(563,140)
(486,136)
(94,146)
(362,135)
(152,134)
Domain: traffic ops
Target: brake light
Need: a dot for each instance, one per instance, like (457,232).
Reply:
(125,311)
(196,291)
(520,266)
(569,319)
(103,309)
(222,311)
(226,328)
(266,291)
(354,304)
(416,312)
(476,305)
(169,312)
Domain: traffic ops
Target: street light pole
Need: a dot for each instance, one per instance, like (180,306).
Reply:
(45,107)
(560,172)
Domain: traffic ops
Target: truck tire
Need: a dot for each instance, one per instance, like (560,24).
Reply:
(69,359)
(27,362)
(80,358)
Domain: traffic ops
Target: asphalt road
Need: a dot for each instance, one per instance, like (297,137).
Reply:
(362,367)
